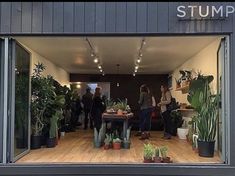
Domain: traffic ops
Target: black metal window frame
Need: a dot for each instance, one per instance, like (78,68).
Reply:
(178,169)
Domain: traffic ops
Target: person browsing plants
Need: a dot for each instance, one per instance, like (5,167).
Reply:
(164,102)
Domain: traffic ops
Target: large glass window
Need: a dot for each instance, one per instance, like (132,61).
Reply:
(22,80)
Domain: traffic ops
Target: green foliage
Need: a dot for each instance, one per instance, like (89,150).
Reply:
(207,116)
(108,139)
(117,140)
(43,95)
(196,90)
(177,118)
(163,151)
(149,151)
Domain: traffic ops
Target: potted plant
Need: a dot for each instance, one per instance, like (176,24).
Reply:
(207,123)
(107,141)
(57,105)
(164,154)
(177,121)
(158,156)
(98,136)
(117,144)
(42,95)
(148,153)
(206,105)
(126,141)
(182,131)
(178,83)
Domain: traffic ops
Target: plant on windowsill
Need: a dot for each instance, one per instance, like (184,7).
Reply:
(158,156)
(149,150)
(164,154)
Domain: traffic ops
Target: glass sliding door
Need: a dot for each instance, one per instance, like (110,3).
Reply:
(1,96)
(221,83)
(19,101)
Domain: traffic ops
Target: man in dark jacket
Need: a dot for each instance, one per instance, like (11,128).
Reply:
(87,103)
(76,110)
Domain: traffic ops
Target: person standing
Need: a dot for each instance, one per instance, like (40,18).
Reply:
(165,101)
(87,103)
(76,110)
(97,109)
(145,102)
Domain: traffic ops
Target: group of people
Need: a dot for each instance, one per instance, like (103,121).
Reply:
(92,105)
(147,105)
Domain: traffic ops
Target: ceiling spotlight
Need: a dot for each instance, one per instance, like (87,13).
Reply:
(99,66)
(144,42)
(92,55)
(138,60)
(103,73)
(101,70)
(141,54)
(135,70)
(136,67)
(96,60)
(133,74)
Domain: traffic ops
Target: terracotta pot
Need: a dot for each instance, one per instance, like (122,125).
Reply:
(166,160)
(106,147)
(119,112)
(147,160)
(157,159)
(116,145)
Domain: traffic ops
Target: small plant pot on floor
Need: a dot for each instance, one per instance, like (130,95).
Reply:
(36,142)
(206,149)
(126,145)
(182,133)
(106,147)
(166,160)
(116,145)
(97,144)
(157,159)
(148,160)
(62,133)
(51,142)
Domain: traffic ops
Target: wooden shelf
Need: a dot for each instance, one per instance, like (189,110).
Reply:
(183,89)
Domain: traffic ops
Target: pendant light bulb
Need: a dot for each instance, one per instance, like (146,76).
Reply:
(138,60)
(96,60)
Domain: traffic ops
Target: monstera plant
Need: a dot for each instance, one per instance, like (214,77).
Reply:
(196,90)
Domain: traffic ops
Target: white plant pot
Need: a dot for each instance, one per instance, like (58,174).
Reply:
(182,133)
(62,134)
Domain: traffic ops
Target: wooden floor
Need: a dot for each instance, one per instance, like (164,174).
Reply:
(78,147)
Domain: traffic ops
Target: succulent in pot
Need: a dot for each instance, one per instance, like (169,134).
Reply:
(158,156)
(107,141)
(117,144)
(148,153)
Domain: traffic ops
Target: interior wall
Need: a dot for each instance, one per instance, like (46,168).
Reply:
(57,72)
(205,61)
(129,85)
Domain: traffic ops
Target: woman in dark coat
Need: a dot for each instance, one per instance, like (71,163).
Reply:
(98,107)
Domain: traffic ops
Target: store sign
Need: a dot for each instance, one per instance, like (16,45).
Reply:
(193,11)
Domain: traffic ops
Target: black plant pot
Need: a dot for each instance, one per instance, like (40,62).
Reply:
(36,142)
(51,142)
(43,140)
(126,145)
(206,149)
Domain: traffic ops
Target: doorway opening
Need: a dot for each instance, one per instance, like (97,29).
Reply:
(77,63)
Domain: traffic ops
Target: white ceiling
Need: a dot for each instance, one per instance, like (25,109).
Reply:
(160,54)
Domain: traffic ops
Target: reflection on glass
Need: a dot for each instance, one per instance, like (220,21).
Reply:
(22,72)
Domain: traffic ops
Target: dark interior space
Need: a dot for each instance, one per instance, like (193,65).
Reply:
(129,88)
